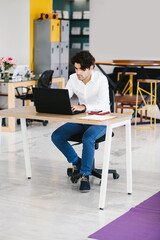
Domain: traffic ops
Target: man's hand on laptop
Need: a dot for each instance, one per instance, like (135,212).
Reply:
(80,108)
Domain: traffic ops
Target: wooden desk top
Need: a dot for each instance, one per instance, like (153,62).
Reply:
(24,80)
(30,112)
(131,63)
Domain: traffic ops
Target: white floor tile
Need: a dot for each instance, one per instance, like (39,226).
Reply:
(49,206)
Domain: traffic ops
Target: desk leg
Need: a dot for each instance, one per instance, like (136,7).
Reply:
(0,132)
(128,157)
(61,84)
(26,148)
(105,168)
(11,104)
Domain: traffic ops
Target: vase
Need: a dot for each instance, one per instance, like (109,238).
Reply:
(6,75)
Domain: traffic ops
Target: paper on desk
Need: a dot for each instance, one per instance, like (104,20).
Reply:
(97,118)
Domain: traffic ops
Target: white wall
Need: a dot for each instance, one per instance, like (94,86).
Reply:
(15,30)
(125,29)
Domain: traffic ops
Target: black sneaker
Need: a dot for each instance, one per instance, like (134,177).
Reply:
(75,177)
(76,167)
(84,186)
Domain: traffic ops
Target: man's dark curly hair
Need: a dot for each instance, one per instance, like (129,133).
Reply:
(84,58)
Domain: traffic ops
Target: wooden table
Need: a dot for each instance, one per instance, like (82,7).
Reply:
(11,96)
(121,120)
(128,64)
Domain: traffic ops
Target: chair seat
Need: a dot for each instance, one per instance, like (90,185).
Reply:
(127,100)
(44,81)
(78,138)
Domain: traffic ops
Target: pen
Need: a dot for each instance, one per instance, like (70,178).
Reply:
(96,111)
(99,113)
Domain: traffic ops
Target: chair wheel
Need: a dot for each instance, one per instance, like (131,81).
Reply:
(45,123)
(69,172)
(116,175)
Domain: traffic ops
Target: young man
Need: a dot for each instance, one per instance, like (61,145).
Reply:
(91,88)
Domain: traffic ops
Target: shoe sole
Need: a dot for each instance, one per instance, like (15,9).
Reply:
(84,191)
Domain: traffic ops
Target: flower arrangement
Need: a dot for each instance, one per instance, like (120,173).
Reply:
(7,63)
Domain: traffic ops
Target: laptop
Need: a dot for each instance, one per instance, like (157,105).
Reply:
(50,100)
(21,70)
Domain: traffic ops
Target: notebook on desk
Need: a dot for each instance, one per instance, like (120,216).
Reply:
(50,100)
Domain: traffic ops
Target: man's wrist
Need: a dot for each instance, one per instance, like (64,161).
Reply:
(84,107)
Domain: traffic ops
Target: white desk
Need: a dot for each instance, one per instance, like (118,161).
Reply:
(122,120)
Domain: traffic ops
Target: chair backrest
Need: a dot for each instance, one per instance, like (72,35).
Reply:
(111,95)
(45,79)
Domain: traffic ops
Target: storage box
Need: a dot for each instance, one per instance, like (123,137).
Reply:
(77,15)
(65,15)
(86,31)
(76,45)
(86,46)
(59,12)
(75,30)
(86,14)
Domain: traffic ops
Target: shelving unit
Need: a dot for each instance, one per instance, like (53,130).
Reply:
(75,21)
(79,38)
(51,47)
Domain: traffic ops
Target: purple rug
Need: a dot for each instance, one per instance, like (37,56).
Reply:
(139,223)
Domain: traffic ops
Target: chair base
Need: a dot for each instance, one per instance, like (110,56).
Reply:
(97,173)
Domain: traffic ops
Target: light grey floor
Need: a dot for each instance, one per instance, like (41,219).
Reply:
(49,206)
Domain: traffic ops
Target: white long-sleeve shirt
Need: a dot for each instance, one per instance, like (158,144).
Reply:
(94,95)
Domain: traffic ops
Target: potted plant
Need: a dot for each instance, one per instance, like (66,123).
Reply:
(6,64)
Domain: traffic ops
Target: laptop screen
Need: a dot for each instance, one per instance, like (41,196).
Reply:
(52,100)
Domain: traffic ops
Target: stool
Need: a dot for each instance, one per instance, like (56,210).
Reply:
(128,102)
(151,101)
(129,85)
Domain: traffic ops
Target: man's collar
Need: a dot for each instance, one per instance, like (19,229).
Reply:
(92,77)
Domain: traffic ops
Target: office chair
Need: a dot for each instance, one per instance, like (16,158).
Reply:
(78,140)
(44,81)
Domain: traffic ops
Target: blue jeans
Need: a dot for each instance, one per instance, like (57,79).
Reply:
(90,134)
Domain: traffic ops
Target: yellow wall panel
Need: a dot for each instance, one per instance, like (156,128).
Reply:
(36,8)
